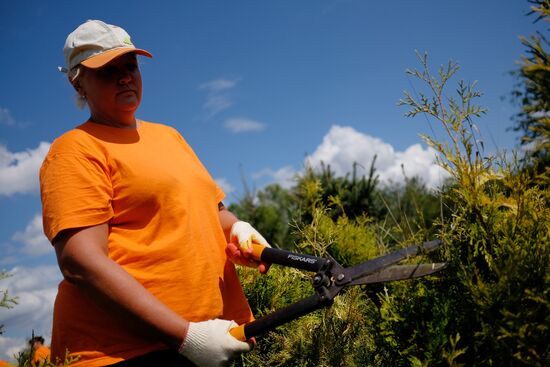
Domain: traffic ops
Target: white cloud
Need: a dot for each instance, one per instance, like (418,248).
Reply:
(343,145)
(33,238)
(218,85)
(415,161)
(10,254)
(216,103)
(240,125)
(217,98)
(225,185)
(27,245)
(285,176)
(19,170)
(35,289)
(9,347)
(5,117)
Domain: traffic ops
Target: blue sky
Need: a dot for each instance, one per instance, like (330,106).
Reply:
(256,87)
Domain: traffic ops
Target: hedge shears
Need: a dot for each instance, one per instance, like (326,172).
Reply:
(330,278)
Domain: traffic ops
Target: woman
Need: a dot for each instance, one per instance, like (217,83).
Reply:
(139,229)
(41,353)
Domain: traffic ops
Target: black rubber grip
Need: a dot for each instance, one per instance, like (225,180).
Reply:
(284,315)
(292,259)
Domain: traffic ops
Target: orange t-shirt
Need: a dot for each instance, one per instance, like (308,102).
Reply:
(162,208)
(40,355)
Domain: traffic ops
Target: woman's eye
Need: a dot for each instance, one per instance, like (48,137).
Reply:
(109,72)
(106,71)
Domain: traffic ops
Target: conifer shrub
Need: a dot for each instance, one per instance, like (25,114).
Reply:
(489,307)
(497,245)
(328,337)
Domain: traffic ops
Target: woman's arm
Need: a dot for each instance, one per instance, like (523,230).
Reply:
(83,258)
(227,219)
(82,255)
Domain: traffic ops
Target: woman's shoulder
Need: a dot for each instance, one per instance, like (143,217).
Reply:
(72,141)
(159,127)
(162,129)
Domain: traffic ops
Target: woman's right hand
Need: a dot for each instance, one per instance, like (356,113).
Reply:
(209,344)
(239,248)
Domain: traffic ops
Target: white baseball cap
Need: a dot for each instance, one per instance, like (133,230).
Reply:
(95,43)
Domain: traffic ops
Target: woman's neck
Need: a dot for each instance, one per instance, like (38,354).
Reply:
(129,122)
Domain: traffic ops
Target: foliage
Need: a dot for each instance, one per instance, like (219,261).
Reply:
(354,196)
(270,211)
(25,356)
(533,91)
(489,307)
(5,299)
(274,211)
(327,337)
(410,211)
(498,236)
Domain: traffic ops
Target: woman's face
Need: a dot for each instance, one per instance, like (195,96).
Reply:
(113,90)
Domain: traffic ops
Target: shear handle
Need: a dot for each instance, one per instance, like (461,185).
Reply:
(282,316)
(287,258)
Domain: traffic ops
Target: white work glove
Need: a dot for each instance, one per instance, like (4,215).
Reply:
(209,344)
(243,234)
(239,248)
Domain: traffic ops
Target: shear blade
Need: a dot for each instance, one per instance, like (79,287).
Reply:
(400,272)
(375,265)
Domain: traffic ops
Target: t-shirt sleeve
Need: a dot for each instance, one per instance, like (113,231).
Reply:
(76,192)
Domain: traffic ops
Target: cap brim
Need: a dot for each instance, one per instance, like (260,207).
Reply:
(104,58)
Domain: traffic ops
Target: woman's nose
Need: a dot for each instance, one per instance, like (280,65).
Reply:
(125,77)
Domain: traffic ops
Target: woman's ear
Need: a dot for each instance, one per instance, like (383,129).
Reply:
(76,85)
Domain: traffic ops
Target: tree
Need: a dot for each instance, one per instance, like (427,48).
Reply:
(534,88)
(269,211)
(343,195)
(410,211)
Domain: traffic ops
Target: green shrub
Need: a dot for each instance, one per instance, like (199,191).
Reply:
(490,307)
(497,237)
